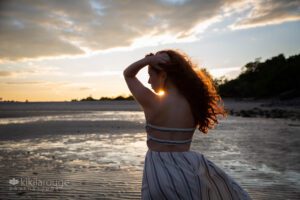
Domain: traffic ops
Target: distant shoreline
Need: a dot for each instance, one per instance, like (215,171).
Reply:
(244,107)
(88,99)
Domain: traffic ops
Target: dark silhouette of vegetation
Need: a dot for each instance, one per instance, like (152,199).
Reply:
(118,98)
(276,77)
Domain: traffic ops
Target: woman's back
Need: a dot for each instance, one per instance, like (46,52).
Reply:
(171,111)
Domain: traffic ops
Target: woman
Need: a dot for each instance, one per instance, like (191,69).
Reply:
(189,100)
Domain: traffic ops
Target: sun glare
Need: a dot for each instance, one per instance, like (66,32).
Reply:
(161,93)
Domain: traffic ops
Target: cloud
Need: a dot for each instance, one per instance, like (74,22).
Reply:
(268,12)
(38,29)
(16,73)
(40,83)
(98,74)
(24,82)
(6,73)
(85,88)
(34,29)
(230,72)
(31,70)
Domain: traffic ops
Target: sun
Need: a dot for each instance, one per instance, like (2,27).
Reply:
(161,92)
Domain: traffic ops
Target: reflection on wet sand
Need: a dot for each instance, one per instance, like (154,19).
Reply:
(94,164)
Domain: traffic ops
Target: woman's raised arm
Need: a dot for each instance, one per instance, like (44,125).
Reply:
(144,96)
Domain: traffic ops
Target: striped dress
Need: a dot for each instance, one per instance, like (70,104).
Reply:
(185,175)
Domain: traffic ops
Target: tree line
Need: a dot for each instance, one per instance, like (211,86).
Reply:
(276,77)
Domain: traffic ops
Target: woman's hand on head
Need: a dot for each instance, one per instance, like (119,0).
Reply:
(158,58)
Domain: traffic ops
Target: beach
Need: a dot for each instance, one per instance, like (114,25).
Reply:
(89,150)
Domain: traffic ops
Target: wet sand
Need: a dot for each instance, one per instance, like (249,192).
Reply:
(96,154)
(266,108)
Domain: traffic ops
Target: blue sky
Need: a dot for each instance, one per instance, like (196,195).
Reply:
(62,50)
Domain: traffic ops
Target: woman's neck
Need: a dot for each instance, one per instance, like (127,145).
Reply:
(171,90)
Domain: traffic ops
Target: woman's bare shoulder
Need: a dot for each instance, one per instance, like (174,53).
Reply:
(171,112)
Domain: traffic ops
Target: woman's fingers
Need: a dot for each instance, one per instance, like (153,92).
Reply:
(158,58)
(149,54)
(163,57)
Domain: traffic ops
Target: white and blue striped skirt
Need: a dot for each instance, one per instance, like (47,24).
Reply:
(186,175)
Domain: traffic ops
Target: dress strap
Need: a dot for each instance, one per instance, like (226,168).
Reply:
(168,142)
(160,128)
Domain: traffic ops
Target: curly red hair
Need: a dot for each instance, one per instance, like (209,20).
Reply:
(197,86)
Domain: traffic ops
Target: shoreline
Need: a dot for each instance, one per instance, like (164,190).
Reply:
(244,107)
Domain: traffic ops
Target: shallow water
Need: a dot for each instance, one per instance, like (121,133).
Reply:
(263,155)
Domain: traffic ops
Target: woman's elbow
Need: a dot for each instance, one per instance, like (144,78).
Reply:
(126,73)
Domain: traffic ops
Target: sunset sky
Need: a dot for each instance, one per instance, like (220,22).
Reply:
(66,49)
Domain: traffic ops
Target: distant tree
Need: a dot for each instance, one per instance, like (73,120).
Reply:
(252,66)
(277,76)
(89,98)
(105,98)
(220,81)
(118,98)
(124,98)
